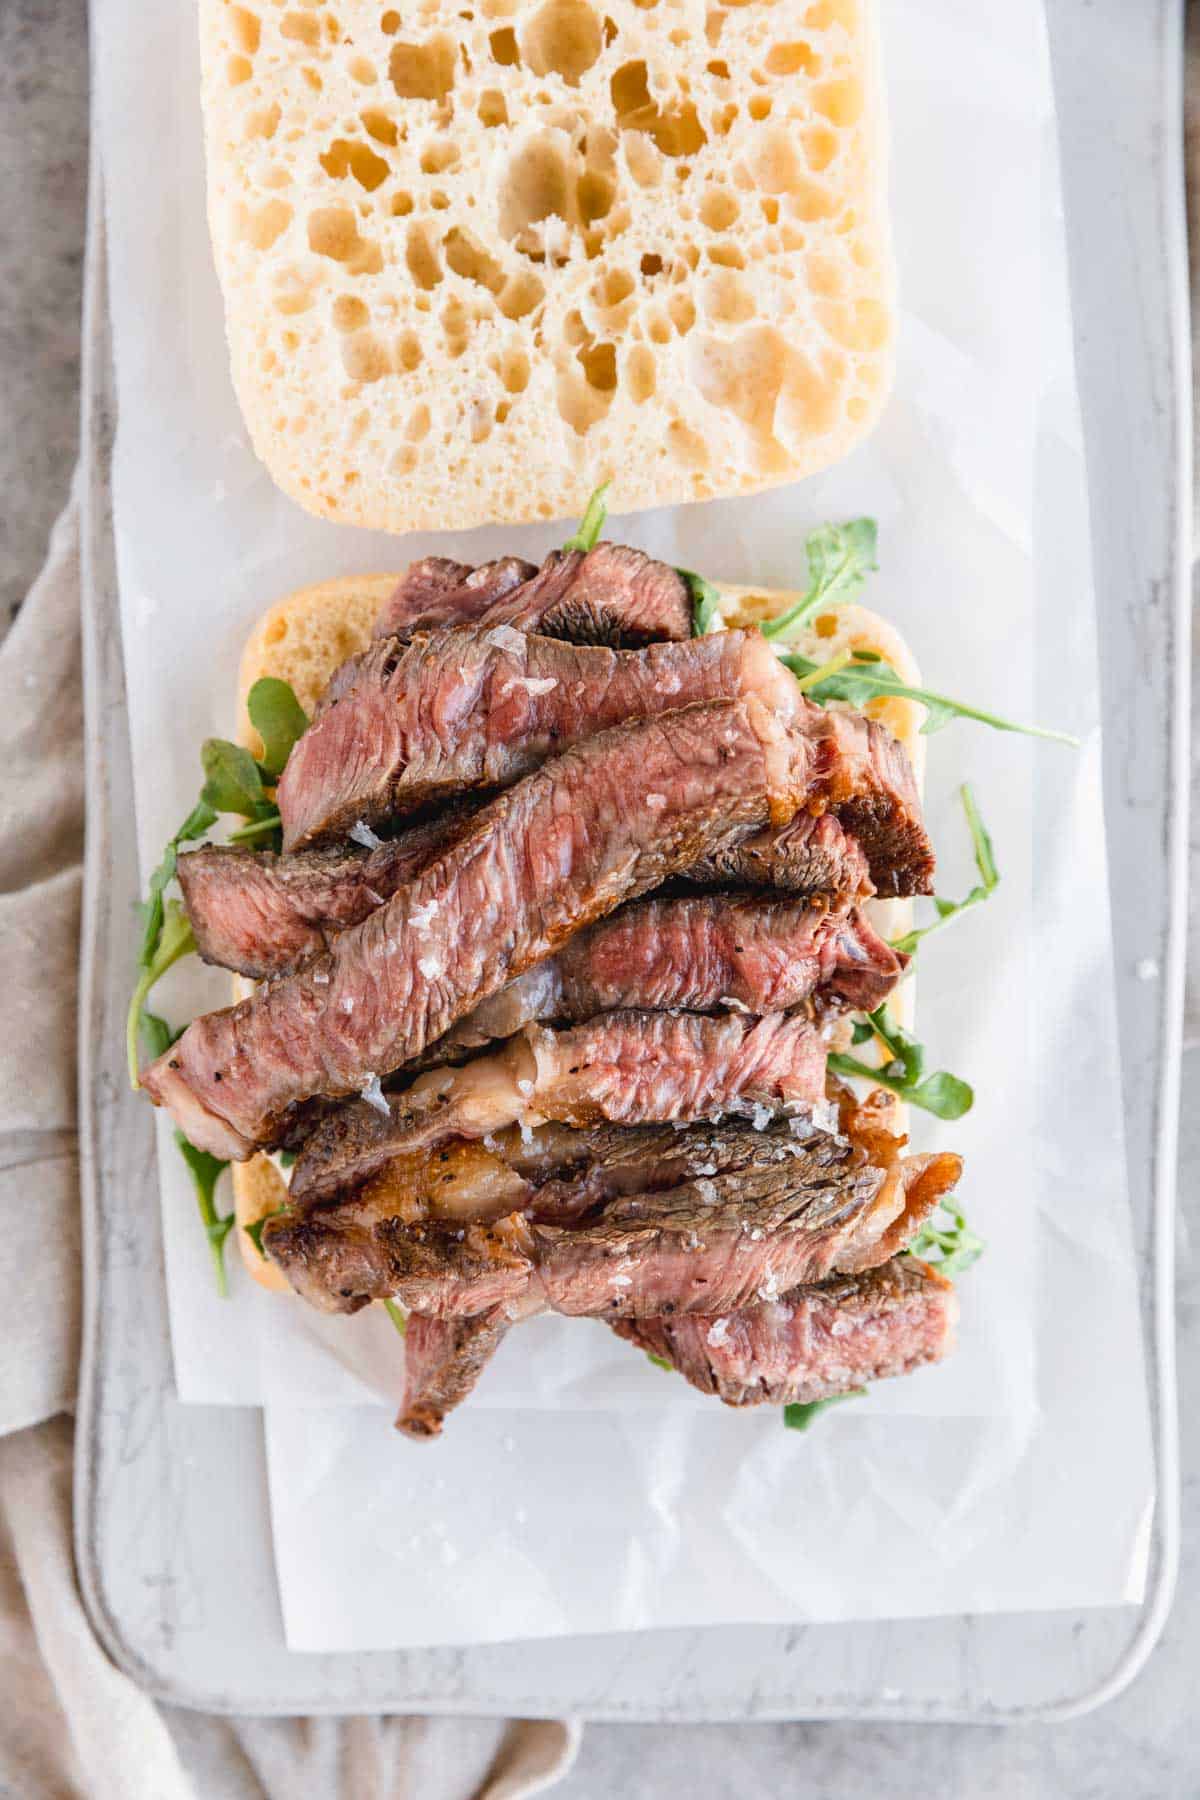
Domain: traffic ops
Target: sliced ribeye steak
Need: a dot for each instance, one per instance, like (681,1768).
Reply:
(713,1245)
(810,1343)
(463,710)
(698,952)
(604,823)
(620,1067)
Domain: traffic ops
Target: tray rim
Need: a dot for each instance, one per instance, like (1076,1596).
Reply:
(1150,1616)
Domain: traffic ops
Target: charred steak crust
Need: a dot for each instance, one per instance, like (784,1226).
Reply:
(813,1342)
(443,1359)
(606,822)
(713,1244)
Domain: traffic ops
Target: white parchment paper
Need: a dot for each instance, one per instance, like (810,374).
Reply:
(584,1490)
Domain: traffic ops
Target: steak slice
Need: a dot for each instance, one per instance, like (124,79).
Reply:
(612,594)
(603,823)
(443,1359)
(557,1174)
(712,1245)
(811,855)
(622,1067)
(813,1342)
(463,710)
(699,952)
(261,914)
(436,591)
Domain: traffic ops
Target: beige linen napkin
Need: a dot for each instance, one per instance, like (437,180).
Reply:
(70,1722)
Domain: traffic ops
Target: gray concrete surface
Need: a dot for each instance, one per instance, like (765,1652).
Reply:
(1146,1744)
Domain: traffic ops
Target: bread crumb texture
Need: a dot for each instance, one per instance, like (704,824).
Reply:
(478,257)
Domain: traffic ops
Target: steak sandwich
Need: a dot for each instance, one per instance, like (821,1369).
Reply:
(538,967)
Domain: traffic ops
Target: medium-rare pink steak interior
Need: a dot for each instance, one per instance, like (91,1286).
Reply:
(605,822)
(611,594)
(813,1342)
(570,905)
(461,710)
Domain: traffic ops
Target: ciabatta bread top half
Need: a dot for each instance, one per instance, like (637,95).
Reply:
(478,257)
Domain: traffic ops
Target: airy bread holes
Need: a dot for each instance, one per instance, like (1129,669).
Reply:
(245,28)
(503,46)
(301,28)
(536,186)
(261,226)
(349,313)
(423,71)
(439,156)
(467,257)
(676,132)
(422,258)
(365,358)
(333,232)
(792,59)
(492,108)
(564,38)
(346,158)
(380,127)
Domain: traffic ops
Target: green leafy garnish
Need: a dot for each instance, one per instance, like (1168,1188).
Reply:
(949,1247)
(198,821)
(254,1232)
(660,1362)
(396,1315)
(866,676)
(840,557)
(206,1171)
(279,720)
(233,783)
(256,828)
(157,1035)
(944,1095)
(592,523)
(174,940)
(989,879)
(706,603)
(799,1418)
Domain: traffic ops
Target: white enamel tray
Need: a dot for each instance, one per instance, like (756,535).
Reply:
(171,1503)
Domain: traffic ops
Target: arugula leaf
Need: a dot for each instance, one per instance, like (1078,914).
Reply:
(157,1035)
(278,718)
(257,828)
(592,523)
(660,1362)
(399,1319)
(799,1418)
(951,1247)
(206,1171)
(944,1095)
(174,940)
(989,879)
(706,603)
(840,557)
(254,1232)
(194,826)
(868,677)
(232,780)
